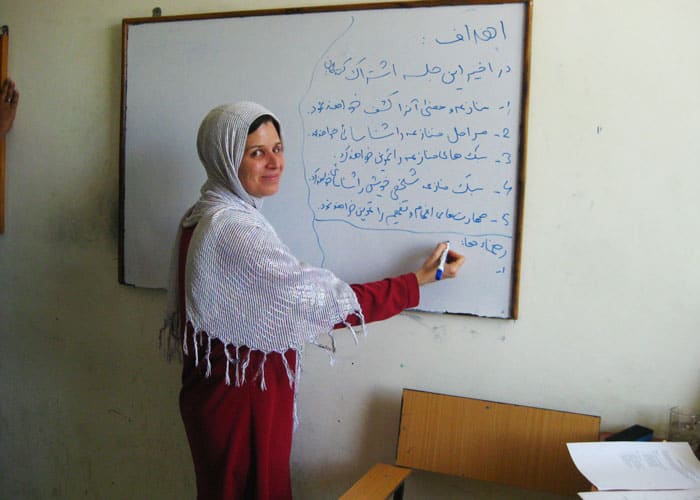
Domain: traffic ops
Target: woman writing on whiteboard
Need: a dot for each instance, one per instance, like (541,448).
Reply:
(247,307)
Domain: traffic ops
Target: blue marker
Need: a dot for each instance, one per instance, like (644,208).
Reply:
(443,259)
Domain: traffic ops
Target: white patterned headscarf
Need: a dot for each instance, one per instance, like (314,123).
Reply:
(243,286)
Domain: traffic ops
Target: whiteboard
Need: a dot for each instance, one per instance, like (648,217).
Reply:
(403,127)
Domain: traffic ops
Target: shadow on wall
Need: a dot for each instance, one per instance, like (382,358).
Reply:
(375,442)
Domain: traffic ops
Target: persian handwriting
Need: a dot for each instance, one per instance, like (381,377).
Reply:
(407,212)
(418,107)
(368,156)
(423,144)
(342,133)
(365,71)
(381,182)
(476,34)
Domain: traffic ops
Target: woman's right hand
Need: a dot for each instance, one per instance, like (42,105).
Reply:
(426,274)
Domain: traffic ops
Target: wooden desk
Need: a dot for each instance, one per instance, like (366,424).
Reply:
(515,445)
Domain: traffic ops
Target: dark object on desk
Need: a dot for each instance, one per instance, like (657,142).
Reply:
(634,433)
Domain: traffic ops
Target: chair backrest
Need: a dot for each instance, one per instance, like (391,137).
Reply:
(505,443)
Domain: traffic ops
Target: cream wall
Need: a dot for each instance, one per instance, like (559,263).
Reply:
(609,289)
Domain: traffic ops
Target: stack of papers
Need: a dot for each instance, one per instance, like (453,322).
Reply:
(638,470)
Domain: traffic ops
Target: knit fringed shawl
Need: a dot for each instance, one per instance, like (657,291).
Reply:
(243,286)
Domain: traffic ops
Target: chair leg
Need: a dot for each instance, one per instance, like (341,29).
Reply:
(398,494)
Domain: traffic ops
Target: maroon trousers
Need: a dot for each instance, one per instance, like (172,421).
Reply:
(240,437)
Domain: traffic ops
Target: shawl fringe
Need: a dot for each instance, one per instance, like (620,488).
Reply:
(239,363)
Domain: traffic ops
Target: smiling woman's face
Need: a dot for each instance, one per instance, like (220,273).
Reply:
(263,161)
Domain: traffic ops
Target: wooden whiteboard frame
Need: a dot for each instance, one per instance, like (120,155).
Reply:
(525,77)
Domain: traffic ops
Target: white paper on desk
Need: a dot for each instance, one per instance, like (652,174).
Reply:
(621,465)
(642,495)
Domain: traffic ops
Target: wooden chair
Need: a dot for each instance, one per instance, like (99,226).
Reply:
(516,445)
